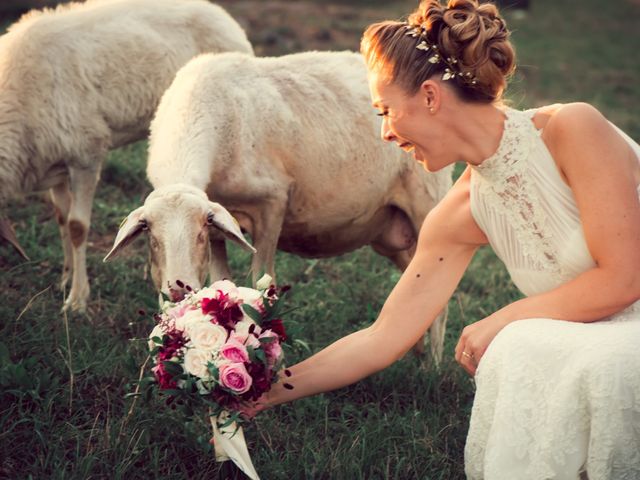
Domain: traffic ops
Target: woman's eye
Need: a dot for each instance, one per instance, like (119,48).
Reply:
(383,114)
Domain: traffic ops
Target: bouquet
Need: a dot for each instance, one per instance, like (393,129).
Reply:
(218,347)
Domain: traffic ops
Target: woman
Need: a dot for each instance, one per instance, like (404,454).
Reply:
(555,193)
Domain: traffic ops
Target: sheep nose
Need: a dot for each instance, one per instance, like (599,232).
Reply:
(178,290)
(176,294)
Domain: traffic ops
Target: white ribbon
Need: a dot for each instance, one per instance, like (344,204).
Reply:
(230,444)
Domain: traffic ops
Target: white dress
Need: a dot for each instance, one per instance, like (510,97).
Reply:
(554,398)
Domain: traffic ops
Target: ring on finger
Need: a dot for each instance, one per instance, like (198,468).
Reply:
(467,354)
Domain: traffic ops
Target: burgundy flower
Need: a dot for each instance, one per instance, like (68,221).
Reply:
(224,310)
(224,399)
(277,326)
(172,344)
(261,376)
(165,380)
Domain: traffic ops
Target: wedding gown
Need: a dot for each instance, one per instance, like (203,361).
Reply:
(554,398)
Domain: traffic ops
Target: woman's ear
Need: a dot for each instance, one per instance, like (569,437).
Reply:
(431,95)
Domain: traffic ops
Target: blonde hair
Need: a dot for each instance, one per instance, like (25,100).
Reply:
(475,35)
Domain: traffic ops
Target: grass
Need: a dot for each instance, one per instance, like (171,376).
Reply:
(63,412)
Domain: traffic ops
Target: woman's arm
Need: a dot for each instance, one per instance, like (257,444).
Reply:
(447,241)
(602,171)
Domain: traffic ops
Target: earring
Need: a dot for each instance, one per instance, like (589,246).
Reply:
(431,110)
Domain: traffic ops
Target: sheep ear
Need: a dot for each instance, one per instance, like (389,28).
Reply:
(220,218)
(130,228)
(7,232)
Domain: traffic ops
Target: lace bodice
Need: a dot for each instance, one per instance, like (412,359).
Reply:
(527,211)
(553,397)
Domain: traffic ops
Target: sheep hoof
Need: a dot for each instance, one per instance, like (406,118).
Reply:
(76,303)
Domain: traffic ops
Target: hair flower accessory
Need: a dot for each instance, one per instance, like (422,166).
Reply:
(452,67)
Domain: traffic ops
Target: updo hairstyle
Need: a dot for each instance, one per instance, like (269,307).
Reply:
(472,34)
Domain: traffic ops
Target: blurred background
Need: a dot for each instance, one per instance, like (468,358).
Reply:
(63,379)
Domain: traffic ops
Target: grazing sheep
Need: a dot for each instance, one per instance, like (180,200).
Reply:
(290,146)
(82,79)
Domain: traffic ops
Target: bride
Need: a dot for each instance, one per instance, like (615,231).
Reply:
(555,192)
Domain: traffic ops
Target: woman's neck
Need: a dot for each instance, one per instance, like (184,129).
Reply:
(478,131)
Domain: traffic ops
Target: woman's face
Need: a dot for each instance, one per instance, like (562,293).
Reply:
(407,121)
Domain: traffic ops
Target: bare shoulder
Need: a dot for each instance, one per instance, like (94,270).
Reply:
(568,118)
(579,136)
(451,220)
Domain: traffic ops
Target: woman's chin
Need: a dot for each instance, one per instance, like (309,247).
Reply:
(418,158)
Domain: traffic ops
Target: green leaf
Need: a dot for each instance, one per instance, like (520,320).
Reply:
(252,312)
(302,344)
(172,368)
(252,353)
(260,355)
(233,417)
(213,370)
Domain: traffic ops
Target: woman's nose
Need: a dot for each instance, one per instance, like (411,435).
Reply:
(385,132)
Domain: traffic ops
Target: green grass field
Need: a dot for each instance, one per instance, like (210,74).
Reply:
(63,380)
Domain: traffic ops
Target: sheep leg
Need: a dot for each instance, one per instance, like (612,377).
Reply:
(83,187)
(266,232)
(61,199)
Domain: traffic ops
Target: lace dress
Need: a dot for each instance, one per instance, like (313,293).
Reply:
(554,398)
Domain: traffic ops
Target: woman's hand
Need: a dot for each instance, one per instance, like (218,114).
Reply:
(475,340)
(249,410)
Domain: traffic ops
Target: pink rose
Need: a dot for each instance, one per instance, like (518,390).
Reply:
(235,377)
(272,348)
(235,351)
(177,311)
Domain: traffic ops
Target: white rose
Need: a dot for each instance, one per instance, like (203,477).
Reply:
(249,295)
(207,292)
(190,318)
(264,282)
(243,326)
(226,286)
(195,362)
(156,332)
(207,336)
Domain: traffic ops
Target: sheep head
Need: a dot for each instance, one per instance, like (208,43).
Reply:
(178,220)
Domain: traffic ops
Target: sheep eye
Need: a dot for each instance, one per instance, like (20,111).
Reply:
(144,225)
(210,219)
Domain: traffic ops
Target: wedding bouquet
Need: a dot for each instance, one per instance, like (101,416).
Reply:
(216,348)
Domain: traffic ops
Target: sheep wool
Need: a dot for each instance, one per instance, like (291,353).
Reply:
(84,78)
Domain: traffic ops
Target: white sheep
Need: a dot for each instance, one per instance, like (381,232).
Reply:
(85,78)
(290,146)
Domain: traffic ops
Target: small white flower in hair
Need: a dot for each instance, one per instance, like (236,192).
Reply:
(414,32)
